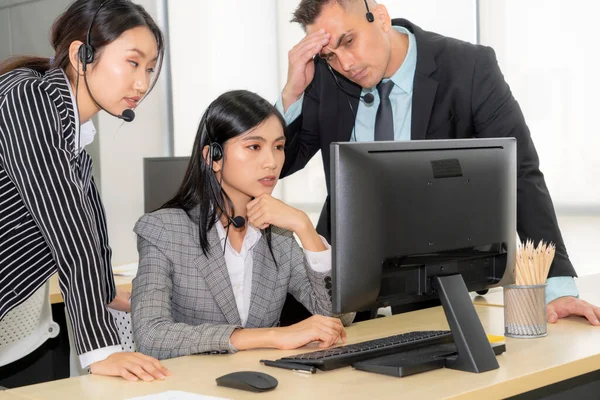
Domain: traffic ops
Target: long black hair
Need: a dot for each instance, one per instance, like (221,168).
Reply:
(114,18)
(230,115)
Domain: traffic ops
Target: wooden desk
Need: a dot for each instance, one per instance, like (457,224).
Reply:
(4,395)
(589,290)
(572,348)
(123,282)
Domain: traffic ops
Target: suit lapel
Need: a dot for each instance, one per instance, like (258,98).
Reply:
(345,124)
(214,270)
(82,164)
(337,105)
(264,280)
(424,92)
(66,107)
(425,87)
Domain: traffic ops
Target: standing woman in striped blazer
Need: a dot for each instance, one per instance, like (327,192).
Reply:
(51,215)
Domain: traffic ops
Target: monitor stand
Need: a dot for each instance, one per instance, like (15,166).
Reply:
(475,354)
(471,350)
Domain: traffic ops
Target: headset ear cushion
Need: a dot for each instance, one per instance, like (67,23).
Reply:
(86,54)
(216,151)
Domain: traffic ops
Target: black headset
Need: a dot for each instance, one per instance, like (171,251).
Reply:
(86,56)
(86,50)
(215,153)
(215,150)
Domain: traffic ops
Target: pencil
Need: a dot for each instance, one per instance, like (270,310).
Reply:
(532,263)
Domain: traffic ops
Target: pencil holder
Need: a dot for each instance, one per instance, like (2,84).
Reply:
(525,311)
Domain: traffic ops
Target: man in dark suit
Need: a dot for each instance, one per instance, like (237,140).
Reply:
(359,75)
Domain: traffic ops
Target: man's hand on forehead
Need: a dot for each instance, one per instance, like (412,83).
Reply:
(319,38)
(301,69)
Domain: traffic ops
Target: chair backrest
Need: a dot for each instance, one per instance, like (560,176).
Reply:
(27,326)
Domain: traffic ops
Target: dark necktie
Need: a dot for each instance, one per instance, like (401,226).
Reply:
(384,122)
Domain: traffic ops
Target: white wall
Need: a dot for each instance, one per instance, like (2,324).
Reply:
(547,50)
(217,46)
(122,147)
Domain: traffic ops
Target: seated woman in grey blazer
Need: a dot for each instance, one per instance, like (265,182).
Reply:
(217,261)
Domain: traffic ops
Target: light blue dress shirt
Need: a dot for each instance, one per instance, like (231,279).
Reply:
(401,98)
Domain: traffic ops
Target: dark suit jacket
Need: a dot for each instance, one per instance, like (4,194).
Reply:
(459,92)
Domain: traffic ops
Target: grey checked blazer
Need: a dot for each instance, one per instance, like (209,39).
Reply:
(183,302)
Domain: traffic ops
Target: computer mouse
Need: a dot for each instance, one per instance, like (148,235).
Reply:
(251,381)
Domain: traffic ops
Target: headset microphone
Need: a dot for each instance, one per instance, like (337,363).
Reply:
(367,98)
(128,115)
(237,222)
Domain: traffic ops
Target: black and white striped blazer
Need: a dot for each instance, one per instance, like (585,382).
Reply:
(51,215)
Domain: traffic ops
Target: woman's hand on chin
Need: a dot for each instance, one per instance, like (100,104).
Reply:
(266,210)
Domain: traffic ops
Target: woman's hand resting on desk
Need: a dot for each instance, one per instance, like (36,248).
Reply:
(122,301)
(318,328)
(326,330)
(131,366)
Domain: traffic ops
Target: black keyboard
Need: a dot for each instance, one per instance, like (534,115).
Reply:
(343,356)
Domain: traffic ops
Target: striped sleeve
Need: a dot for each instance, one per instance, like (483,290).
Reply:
(36,158)
(101,226)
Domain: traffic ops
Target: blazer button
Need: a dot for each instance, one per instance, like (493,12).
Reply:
(328,285)
(329,292)
(327,279)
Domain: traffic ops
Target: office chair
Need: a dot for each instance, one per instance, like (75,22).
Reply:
(26,327)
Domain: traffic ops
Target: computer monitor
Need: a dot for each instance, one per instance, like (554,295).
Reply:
(162,178)
(419,220)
